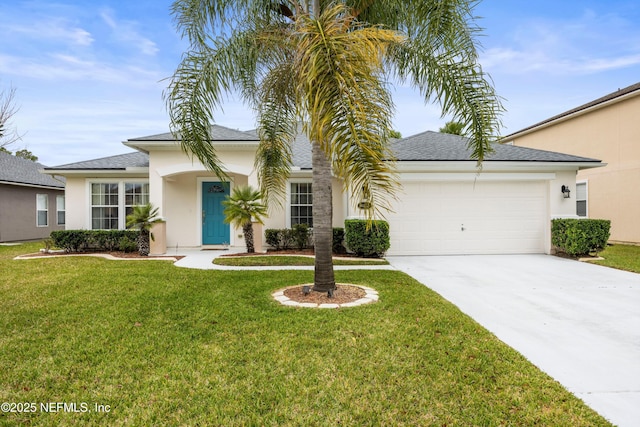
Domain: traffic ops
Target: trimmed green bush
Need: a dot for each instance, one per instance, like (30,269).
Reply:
(272,237)
(300,237)
(580,236)
(300,234)
(127,244)
(282,238)
(367,238)
(97,240)
(338,241)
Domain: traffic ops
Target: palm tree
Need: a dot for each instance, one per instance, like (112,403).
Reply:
(454,128)
(327,64)
(142,218)
(241,208)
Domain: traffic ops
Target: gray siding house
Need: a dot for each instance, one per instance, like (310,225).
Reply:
(32,204)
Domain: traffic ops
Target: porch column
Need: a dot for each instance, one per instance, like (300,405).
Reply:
(158,245)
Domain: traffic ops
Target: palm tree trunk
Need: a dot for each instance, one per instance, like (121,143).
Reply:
(247,229)
(324,279)
(143,243)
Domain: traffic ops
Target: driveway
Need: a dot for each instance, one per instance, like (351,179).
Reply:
(580,323)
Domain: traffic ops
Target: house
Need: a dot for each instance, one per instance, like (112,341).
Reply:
(607,128)
(32,205)
(446,205)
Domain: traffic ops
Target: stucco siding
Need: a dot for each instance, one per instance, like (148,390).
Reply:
(18,213)
(610,133)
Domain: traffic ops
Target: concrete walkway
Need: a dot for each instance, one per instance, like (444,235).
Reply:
(203,260)
(578,322)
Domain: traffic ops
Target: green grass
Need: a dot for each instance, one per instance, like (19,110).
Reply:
(286,260)
(168,346)
(623,257)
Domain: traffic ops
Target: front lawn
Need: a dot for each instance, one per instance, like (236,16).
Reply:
(623,257)
(162,345)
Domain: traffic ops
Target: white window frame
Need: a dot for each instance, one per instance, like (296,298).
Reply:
(124,195)
(585,200)
(42,198)
(61,208)
(289,204)
(121,198)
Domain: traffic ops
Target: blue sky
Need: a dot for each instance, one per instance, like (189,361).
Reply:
(89,74)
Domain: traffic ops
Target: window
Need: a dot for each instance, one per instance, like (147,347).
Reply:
(42,210)
(111,202)
(60,211)
(581,199)
(301,204)
(135,194)
(104,206)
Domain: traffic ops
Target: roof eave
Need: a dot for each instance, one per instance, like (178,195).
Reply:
(565,117)
(28,184)
(146,146)
(85,171)
(492,165)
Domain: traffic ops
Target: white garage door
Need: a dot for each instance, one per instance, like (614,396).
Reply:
(442,218)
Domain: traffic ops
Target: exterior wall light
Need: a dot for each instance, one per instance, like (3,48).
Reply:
(565,191)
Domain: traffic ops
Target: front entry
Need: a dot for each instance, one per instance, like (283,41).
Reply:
(214,230)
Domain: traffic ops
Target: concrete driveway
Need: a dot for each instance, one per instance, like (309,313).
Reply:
(580,323)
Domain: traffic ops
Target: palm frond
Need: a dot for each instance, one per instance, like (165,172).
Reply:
(342,84)
(440,59)
(243,206)
(195,90)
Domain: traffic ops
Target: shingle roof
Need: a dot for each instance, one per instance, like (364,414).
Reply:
(611,96)
(120,161)
(22,171)
(425,146)
(436,146)
(219,133)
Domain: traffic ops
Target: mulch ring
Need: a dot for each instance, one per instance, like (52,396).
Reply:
(343,294)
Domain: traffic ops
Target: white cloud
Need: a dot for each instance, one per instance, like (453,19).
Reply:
(589,43)
(52,29)
(66,67)
(125,31)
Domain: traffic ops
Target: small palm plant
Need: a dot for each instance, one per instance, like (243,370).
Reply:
(242,207)
(142,218)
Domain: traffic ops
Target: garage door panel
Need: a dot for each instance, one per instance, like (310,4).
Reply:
(469,218)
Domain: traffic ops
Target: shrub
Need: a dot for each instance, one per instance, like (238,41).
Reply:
(302,237)
(580,236)
(300,234)
(286,238)
(127,244)
(99,240)
(367,238)
(70,240)
(280,238)
(338,241)
(272,237)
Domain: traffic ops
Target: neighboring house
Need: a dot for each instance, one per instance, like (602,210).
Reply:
(32,205)
(445,206)
(608,129)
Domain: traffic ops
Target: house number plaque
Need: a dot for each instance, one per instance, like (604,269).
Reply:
(215,189)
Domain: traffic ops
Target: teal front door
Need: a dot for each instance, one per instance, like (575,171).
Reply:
(214,230)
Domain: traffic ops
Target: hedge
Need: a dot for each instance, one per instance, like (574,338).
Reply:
(96,240)
(301,237)
(367,238)
(580,236)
